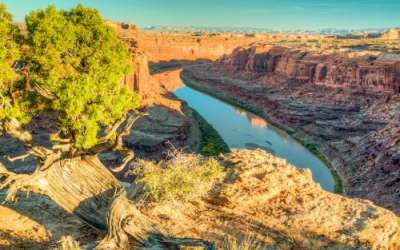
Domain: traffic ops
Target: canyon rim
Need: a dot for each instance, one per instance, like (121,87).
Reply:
(98,150)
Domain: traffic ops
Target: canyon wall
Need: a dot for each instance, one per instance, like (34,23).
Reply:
(191,46)
(186,46)
(336,70)
(251,53)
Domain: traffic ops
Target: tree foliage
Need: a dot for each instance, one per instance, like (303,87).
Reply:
(73,64)
(9,54)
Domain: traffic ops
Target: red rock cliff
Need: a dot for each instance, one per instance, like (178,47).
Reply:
(334,70)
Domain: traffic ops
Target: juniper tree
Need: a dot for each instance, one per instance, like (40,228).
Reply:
(71,63)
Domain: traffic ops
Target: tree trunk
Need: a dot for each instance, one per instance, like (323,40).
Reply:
(84,187)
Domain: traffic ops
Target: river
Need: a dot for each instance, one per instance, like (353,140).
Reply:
(241,129)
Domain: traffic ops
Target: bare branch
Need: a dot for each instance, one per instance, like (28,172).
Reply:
(63,147)
(41,152)
(126,130)
(56,138)
(113,130)
(50,159)
(13,127)
(130,155)
(125,127)
(44,92)
(18,158)
(15,182)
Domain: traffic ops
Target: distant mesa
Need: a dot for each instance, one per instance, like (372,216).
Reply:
(391,34)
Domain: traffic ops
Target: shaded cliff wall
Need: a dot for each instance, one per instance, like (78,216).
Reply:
(343,70)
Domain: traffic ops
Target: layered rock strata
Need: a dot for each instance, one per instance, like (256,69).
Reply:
(336,70)
(352,114)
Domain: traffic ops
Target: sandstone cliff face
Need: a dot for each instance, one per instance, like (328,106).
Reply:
(167,46)
(186,46)
(337,70)
(167,122)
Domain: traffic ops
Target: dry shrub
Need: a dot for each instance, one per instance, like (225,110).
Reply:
(68,243)
(184,177)
(246,243)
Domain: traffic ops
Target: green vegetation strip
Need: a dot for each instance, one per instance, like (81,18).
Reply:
(211,143)
(248,107)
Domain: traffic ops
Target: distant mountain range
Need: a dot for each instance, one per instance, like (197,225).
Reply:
(326,31)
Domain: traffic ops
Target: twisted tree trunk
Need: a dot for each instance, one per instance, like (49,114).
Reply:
(83,186)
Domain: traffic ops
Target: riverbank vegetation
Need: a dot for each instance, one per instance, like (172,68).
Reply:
(211,143)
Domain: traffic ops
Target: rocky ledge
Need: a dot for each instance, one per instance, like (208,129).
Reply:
(261,197)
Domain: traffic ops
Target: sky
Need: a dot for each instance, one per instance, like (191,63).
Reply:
(271,14)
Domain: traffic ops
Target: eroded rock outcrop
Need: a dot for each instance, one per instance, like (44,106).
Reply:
(337,70)
(391,34)
(278,204)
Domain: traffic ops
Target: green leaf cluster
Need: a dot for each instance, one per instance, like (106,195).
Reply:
(76,58)
(9,56)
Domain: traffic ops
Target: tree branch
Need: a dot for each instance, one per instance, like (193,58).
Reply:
(18,158)
(130,155)
(126,130)
(125,126)
(62,147)
(15,182)
(113,130)
(13,128)
(56,138)
(44,92)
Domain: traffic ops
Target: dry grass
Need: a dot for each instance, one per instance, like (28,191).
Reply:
(68,243)
(184,177)
(247,243)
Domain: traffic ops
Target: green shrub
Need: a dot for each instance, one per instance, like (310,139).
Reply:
(184,177)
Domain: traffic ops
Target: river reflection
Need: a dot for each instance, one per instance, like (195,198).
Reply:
(255,120)
(241,129)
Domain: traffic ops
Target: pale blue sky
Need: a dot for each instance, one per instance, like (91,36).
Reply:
(277,14)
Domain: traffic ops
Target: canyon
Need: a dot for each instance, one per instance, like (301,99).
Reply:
(344,105)
(343,102)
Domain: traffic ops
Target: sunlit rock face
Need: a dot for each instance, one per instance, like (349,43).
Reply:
(391,34)
(265,197)
(340,70)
